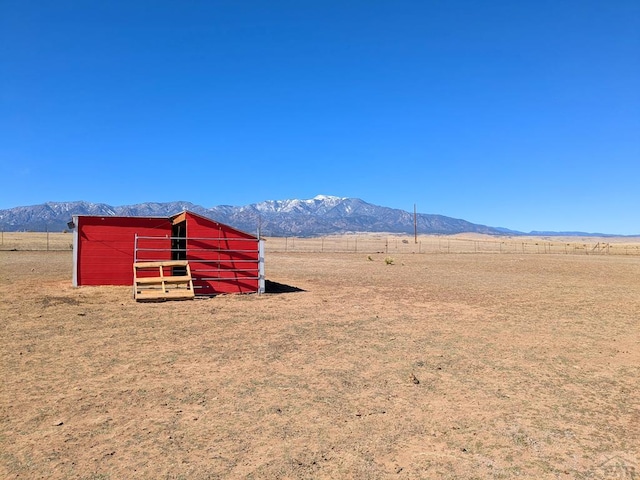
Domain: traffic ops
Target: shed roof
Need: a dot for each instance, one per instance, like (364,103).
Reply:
(179,217)
(175,218)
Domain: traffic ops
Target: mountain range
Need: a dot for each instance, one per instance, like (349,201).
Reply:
(321,215)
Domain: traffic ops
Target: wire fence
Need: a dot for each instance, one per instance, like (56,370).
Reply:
(36,241)
(440,244)
(386,244)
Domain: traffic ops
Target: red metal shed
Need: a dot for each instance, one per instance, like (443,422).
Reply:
(222,259)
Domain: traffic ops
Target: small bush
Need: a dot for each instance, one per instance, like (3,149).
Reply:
(388,261)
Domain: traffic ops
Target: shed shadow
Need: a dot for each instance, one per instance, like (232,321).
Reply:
(275,287)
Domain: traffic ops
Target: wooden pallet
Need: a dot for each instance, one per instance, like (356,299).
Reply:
(172,287)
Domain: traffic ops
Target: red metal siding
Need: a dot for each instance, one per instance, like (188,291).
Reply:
(222,259)
(106,244)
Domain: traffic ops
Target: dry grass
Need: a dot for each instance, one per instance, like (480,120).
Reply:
(36,241)
(462,243)
(437,366)
(386,243)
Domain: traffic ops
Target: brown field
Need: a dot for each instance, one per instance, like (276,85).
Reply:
(385,243)
(434,366)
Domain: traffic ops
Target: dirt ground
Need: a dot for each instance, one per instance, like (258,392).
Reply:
(435,366)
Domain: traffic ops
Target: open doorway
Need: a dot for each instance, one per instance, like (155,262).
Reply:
(179,245)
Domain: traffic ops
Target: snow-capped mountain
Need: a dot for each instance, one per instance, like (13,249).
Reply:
(318,205)
(51,215)
(320,215)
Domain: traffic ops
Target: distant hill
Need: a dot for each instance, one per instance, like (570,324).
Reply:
(537,233)
(321,215)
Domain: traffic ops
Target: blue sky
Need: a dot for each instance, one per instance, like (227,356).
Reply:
(519,114)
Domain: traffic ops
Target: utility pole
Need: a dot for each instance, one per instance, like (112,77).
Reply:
(415,224)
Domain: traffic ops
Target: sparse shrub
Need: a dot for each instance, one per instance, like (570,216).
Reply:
(370,258)
(388,261)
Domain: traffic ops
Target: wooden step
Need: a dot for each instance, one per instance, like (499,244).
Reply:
(168,295)
(168,263)
(162,287)
(159,280)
